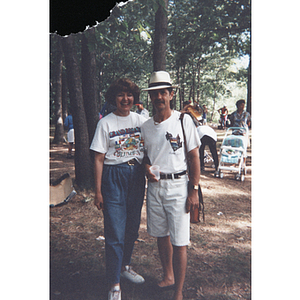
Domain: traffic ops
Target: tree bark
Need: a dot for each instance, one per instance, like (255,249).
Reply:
(83,164)
(160,38)
(182,87)
(249,95)
(89,80)
(59,125)
(64,95)
(214,104)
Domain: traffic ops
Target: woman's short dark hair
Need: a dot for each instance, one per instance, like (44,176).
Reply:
(122,85)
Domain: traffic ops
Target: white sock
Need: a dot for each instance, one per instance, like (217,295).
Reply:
(115,288)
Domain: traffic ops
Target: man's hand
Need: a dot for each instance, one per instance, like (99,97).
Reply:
(194,163)
(151,177)
(192,200)
(99,201)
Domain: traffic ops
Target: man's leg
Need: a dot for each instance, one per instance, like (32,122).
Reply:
(165,249)
(179,266)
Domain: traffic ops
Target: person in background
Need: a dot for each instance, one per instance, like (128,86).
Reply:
(70,136)
(204,115)
(208,137)
(185,103)
(141,110)
(120,181)
(223,116)
(170,199)
(240,118)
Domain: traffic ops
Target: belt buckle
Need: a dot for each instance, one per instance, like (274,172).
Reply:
(131,162)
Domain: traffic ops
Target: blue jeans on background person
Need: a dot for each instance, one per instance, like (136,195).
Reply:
(123,189)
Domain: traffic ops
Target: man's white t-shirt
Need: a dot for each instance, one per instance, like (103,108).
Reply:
(164,142)
(206,130)
(120,138)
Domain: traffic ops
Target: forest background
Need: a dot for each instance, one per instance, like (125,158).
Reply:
(203,44)
(25,90)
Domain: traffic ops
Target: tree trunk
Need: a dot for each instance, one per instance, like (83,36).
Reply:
(249,95)
(198,80)
(59,125)
(178,82)
(182,87)
(214,104)
(89,81)
(160,38)
(83,162)
(64,95)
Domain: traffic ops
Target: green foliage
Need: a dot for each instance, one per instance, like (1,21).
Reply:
(203,39)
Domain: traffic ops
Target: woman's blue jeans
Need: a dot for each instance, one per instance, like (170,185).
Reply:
(123,189)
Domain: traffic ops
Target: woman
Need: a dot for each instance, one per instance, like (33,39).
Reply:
(240,118)
(120,181)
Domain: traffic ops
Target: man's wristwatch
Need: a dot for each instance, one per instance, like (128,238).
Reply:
(195,187)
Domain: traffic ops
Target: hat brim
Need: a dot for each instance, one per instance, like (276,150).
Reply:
(159,87)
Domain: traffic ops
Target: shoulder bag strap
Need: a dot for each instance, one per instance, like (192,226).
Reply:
(201,203)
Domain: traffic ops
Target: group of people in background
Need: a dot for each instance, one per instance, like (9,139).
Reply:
(126,145)
(239,118)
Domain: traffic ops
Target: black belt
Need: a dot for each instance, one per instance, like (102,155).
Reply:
(172,176)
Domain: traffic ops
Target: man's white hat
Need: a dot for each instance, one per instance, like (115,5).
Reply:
(159,80)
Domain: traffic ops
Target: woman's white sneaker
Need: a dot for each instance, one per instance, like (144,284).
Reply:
(132,276)
(114,295)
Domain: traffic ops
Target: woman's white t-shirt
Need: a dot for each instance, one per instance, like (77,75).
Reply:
(164,142)
(119,138)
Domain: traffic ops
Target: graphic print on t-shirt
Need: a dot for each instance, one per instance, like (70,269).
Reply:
(174,142)
(128,144)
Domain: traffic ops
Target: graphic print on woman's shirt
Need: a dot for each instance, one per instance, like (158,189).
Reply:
(128,142)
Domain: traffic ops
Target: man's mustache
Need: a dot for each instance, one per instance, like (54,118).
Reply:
(157,101)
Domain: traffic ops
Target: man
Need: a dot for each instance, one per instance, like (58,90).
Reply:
(223,111)
(141,110)
(169,200)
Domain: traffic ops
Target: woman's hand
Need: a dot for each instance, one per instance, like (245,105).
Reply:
(99,161)
(99,203)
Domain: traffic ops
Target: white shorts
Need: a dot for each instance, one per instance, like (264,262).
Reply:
(166,210)
(70,136)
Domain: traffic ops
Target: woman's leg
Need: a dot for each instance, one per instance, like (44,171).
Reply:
(134,203)
(114,191)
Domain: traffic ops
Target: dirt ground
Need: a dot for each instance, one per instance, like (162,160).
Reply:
(219,255)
